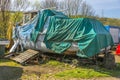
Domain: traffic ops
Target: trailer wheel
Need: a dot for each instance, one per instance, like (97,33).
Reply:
(43,59)
(109,61)
(40,60)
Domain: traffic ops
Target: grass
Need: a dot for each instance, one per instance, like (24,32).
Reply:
(30,76)
(6,62)
(57,64)
(115,72)
(85,71)
(66,71)
(80,73)
(89,72)
(54,63)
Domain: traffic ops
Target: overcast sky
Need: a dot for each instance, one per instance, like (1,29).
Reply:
(109,8)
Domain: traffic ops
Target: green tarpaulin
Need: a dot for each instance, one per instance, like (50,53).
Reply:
(42,18)
(90,34)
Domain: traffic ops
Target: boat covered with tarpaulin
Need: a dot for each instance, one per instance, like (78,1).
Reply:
(52,31)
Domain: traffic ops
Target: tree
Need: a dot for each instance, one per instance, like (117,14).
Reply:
(36,5)
(15,10)
(76,7)
(4,16)
(49,3)
(71,6)
(86,10)
(19,6)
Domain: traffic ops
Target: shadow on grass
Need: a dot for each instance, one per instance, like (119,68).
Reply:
(4,60)
(10,73)
(83,70)
(103,71)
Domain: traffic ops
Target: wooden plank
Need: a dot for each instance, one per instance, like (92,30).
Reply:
(23,57)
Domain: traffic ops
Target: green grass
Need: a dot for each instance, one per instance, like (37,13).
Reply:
(115,72)
(89,72)
(6,62)
(54,63)
(80,73)
(67,71)
(57,64)
(84,71)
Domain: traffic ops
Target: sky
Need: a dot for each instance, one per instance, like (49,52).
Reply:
(106,8)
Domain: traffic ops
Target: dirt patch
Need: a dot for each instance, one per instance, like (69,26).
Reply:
(39,69)
(117,59)
(43,69)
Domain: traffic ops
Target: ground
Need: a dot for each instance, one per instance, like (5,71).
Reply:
(55,70)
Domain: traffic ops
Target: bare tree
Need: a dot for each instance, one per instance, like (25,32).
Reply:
(73,6)
(36,5)
(20,5)
(76,7)
(87,10)
(70,7)
(4,5)
(49,3)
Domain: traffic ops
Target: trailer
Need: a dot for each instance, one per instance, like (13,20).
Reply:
(115,32)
